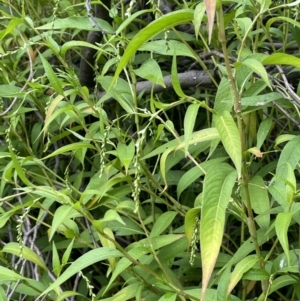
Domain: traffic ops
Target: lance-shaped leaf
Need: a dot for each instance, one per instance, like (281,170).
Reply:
(81,263)
(230,138)
(217,188)
(172,19)
(189,123)
(240,269)
(210,6)
(282,223)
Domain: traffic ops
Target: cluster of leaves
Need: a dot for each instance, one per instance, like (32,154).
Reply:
(107,193)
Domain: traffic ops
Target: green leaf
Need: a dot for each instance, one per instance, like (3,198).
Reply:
(151,71)
(172,19)
(223,93)
(198,16)
(281,263)
(3,296)
(56,267)
(240,269)
(283,188)
(190,222)
(10,91)
(282,222)
(49,192)
(282,59)
(207,134)
(263,130)
(196,138)
(192,175)
(257,67)
(256,274)
(8,275)
(189,123)
(124,263)
(217,189)
(259,201)
(278,191)
(111,215)
(79,23)
(160,241)
(55,83)
(126,153)
(162,223)
(70,147)
(202,135)
(260,100)
(81,263)
(168,297)
(171,48)
(282,281)
(126,293)
(19,170)
(28,254)
(121,92)
(67,253)
(66,294)
(175,79)
(11,26)
(230,138)
(62,214)
(282,18)
(223,284)
(72,44)
(290,154)
(211,295)
(283,138)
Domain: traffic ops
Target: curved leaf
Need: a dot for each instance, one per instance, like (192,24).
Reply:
(190,221)
(290,154)
(62,214)
(172,19)
(151,71)
(242,267)
(168,297)
(124,263)
(282,59)
(162,223)
(76,22)
(81,263)
(28,254)
(257,66)
(282,281)
(217,189)
(194,173)
(71,147)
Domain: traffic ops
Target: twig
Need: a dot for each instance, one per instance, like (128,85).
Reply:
(93,20)
(297,124)
(295,97)
(192,78)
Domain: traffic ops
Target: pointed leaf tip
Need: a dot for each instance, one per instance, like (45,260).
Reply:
(210,6)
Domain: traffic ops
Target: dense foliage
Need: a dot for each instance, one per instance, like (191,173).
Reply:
(149,150)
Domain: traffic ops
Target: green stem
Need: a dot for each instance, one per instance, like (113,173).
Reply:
(240,124)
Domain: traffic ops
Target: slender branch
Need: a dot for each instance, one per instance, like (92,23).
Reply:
(192,78)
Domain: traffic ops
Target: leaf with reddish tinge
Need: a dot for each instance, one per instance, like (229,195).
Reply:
(210,6)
